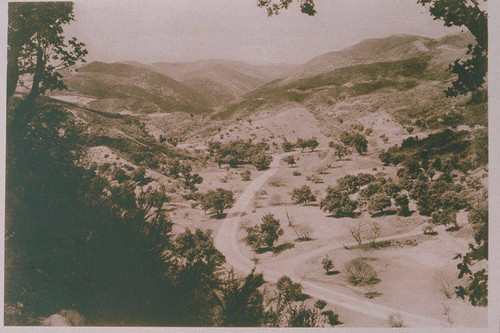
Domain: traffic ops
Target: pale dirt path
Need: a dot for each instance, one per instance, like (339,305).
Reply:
(226,242)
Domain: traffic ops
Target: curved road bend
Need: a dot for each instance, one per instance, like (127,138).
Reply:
(227,242)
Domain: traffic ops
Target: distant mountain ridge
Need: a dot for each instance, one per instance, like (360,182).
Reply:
(207,85)
(392,48)
(394,66)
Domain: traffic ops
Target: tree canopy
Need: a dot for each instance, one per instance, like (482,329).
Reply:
(37,46)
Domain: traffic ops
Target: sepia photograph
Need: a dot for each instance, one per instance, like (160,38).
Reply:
(251,164)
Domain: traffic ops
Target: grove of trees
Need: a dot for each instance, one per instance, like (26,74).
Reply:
(239,152)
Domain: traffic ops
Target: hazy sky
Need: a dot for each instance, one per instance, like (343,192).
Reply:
(187,30)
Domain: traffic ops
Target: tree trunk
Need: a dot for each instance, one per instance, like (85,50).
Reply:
(37,78)
(12,71)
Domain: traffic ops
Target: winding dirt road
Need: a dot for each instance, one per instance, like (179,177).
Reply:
(227,242)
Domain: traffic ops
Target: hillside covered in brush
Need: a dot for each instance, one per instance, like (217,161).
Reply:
(119,87)
(371,79)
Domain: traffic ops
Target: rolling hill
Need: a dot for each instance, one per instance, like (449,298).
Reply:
(123,87)
(393,67)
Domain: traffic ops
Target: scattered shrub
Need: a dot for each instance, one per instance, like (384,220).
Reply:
(245,175)
(296,173)
(276,181)
(315,179)
(395,320)
(287,146)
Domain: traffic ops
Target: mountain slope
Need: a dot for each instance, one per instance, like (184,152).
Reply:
(121,86)
(407,92)
(392,48)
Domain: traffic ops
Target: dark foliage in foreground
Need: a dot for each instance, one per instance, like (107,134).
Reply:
(75,241)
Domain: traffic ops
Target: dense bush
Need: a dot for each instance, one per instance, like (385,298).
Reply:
(262,161)
(237,152)
(450,150)
(378,202)
(338,202)
(265,234)
(245,175)
(358,272)
(356,140)
(402,202)
(303,194)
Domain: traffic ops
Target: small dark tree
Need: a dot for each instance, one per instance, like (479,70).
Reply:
(290,160)
(303,194)
(402,202)
(476,288)
(327,264)
(218,200)
(271,229)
